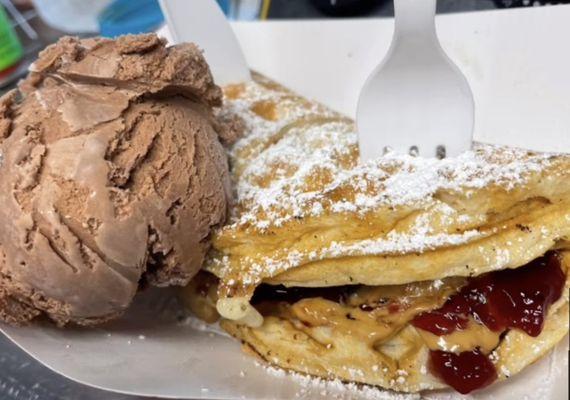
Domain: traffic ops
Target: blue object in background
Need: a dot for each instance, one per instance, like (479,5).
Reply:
(122,17)
(248,10)
(225,5)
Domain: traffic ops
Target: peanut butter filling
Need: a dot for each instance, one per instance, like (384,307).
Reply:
(402,332)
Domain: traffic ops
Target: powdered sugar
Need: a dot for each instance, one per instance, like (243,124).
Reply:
(398,243)
(199,325)
(290,171)
(297,167)
(335,389)
(419,240)
(394,244)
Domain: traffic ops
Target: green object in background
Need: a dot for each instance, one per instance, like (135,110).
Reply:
(10,46)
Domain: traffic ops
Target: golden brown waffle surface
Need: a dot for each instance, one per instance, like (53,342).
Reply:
(308,214)
(400,228)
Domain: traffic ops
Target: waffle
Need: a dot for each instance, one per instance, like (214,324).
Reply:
(309,216)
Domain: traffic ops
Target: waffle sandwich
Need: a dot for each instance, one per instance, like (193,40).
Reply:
(406,273)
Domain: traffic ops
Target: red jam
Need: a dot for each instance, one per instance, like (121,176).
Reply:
(517,298)
(514,298)
(468,371)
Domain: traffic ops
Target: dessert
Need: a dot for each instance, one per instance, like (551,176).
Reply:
(406,273)
(112,176)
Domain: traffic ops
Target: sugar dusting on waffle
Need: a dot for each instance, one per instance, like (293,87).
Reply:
(298,161)
(314,169)
(314,387)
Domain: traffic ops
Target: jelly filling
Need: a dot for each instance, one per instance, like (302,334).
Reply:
(514,298)
(465,371)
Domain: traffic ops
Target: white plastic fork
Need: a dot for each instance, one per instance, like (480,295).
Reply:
(204,23)
(416,101)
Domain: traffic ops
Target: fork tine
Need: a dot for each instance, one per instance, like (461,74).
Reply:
(440,152)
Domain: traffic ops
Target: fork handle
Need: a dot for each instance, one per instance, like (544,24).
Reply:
(414,17)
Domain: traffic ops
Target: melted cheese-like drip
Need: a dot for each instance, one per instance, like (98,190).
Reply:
(376,314)
(373,314)
(475,335)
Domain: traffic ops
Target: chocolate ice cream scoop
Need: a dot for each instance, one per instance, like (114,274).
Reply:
(111,174)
